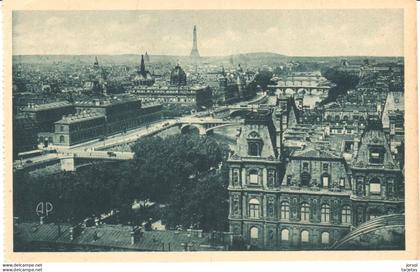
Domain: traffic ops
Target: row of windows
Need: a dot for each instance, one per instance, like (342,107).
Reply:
(254,211)
(345,118)
(376,187)
(306,179)
(285,235)
(254,176)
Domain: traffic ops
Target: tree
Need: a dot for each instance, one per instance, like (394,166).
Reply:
(263,78)
(344,81)
(172,171)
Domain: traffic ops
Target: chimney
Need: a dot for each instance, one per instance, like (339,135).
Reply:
(59,230)
(72,234)
(95,235)
(75,231)
(356,146)
(228,238)
(135,234)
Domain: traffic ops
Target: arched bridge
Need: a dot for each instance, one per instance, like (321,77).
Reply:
(303,85)
(205,125)
(381,233)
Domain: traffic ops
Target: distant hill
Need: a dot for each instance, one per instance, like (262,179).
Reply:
(257,58)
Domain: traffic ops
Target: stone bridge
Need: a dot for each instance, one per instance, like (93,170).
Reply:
(204,125)
(301,85)
(381,233)
(71,160)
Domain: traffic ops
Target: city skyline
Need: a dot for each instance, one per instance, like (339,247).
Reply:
(220,33)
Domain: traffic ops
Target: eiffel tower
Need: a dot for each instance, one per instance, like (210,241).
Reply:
(194,51)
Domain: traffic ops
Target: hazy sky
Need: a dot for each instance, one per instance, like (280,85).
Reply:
(289,32)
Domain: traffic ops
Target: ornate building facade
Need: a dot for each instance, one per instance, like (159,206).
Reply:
(308,198)
(177,92)
(142,76)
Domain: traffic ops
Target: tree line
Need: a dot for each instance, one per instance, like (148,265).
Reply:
(183,173)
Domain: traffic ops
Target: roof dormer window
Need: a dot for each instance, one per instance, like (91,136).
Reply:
(254,144)
(376,155)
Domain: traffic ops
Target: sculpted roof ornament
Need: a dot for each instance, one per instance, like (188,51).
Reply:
(235,156)
(360,164)
(253,135)
(390,165)
(375,139)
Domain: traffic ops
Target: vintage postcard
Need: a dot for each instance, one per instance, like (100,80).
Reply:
(188,131)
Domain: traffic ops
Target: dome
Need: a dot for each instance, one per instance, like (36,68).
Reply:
(178,76)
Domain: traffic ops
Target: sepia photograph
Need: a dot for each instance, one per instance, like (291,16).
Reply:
(208,130)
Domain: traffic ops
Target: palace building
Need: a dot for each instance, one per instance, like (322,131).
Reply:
(178,91)
(103,117)
(307,198)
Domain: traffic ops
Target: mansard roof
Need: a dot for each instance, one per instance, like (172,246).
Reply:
(374,137)
(315,153)
(258,126)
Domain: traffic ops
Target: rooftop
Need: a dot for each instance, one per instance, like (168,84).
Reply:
(107,101)
(79,117)
(32,107)
(112,236)
(315,152)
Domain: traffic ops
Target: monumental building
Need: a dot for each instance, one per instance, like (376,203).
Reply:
(310,197)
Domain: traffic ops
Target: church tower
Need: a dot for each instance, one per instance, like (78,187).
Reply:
(194,50)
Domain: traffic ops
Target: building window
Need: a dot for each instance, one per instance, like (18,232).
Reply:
(390,188)
(304,212)
(235,176)
(305,178)
(375,186)
(271,178)
(348,147)
(236,204)
(360,187)
(305,166)
(285,235)
(61,128)
(325,180)
(61,139)
(284,210)
(342,180)
(254,149)
(346,215)
(253,233)
(270,208)
(304,236)
(288,179)
(325,238)
(253,176)
(325,213)
(376,155)
(254,208)
(325,167)
(271,234)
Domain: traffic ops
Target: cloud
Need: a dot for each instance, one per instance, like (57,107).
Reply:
(54,21)
(300,32)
